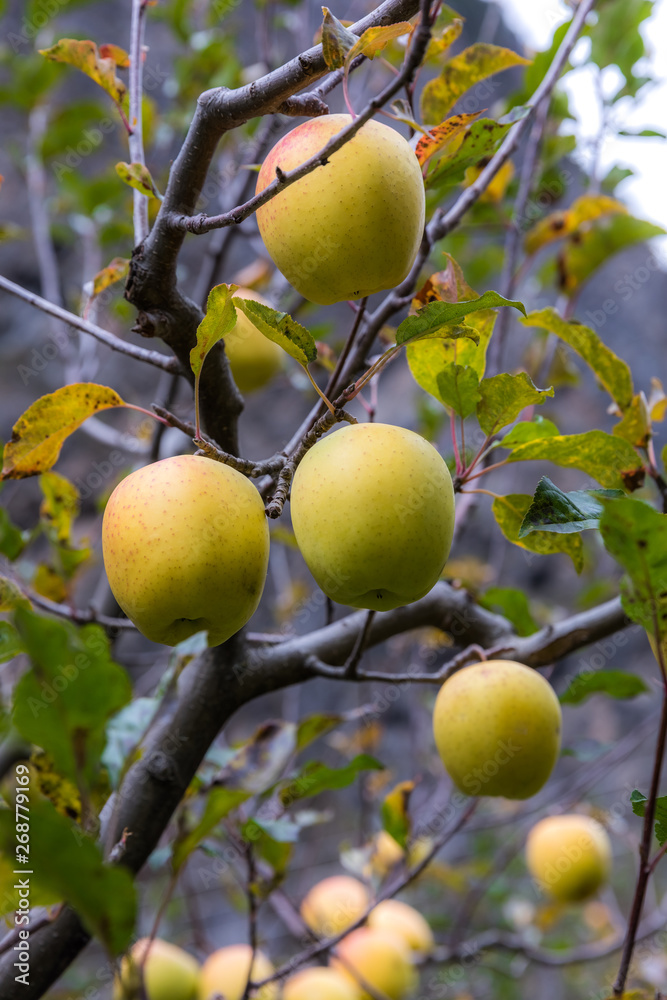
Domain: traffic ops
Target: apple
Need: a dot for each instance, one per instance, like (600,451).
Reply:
(351,227)
(380,958)
(373,514)
(334,904)
(253,358)
(186,548)
(404,920)
(169,972)
(569,856)
(497,728)
(320,984)
(225,973)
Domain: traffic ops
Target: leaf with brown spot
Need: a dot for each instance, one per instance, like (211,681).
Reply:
(459,74)
(442,134)
(84,55)
(120,57)
(559,224)
(115,271)
(38,435)
(336,40)
(137,176)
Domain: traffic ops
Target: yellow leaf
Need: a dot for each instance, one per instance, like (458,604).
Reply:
(109,275)
(557,225)
(495,190)
(447,28)
(59,506)
(438,137)
(120,57)
(49,584)
(374,40)
(657,400)
(459,74)
(137,176)
(84,55)
(38,435)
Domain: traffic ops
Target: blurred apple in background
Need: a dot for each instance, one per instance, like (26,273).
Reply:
(254,359)
(334,904)
(169,973)
(569,856)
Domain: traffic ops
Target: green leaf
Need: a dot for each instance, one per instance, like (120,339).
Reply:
(504,396)
(220,318)
(509,511)
(645,133)
(536,429)
(479,141)
(12,541)
(64,703)
(553,510)
(260,761)
(635,425)
(315,778)
(395,815)
(281,329)
(272,840)
(38,435)
(458,388)
(313,727)
(11,596)
(437,316)
(617,39)
(336,40)
(602,456)
(102,895)
(513,605)
(638,802)
(10,642)
(613,373)
(582,256)
(615,683)
(636,536)
(138,176)
(459,74)
(220,802)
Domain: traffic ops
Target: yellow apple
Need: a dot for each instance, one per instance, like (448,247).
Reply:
(333,904)
(169,972)
(373,514)
(569,856)
(320,984)
(497,728)
(225,972)
(186,548)
(253,358)
(351,227)
(380,958)
(404,920)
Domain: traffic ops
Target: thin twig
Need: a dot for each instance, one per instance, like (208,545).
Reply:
(136,137)
(350,668)
(321,947)
(168,364)
(204,224)
(80,617)
(208,447)
(513,235)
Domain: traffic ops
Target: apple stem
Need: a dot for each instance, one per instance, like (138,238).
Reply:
(329,404)
(455,444)
(149,413)
(346,97)
(197,419)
